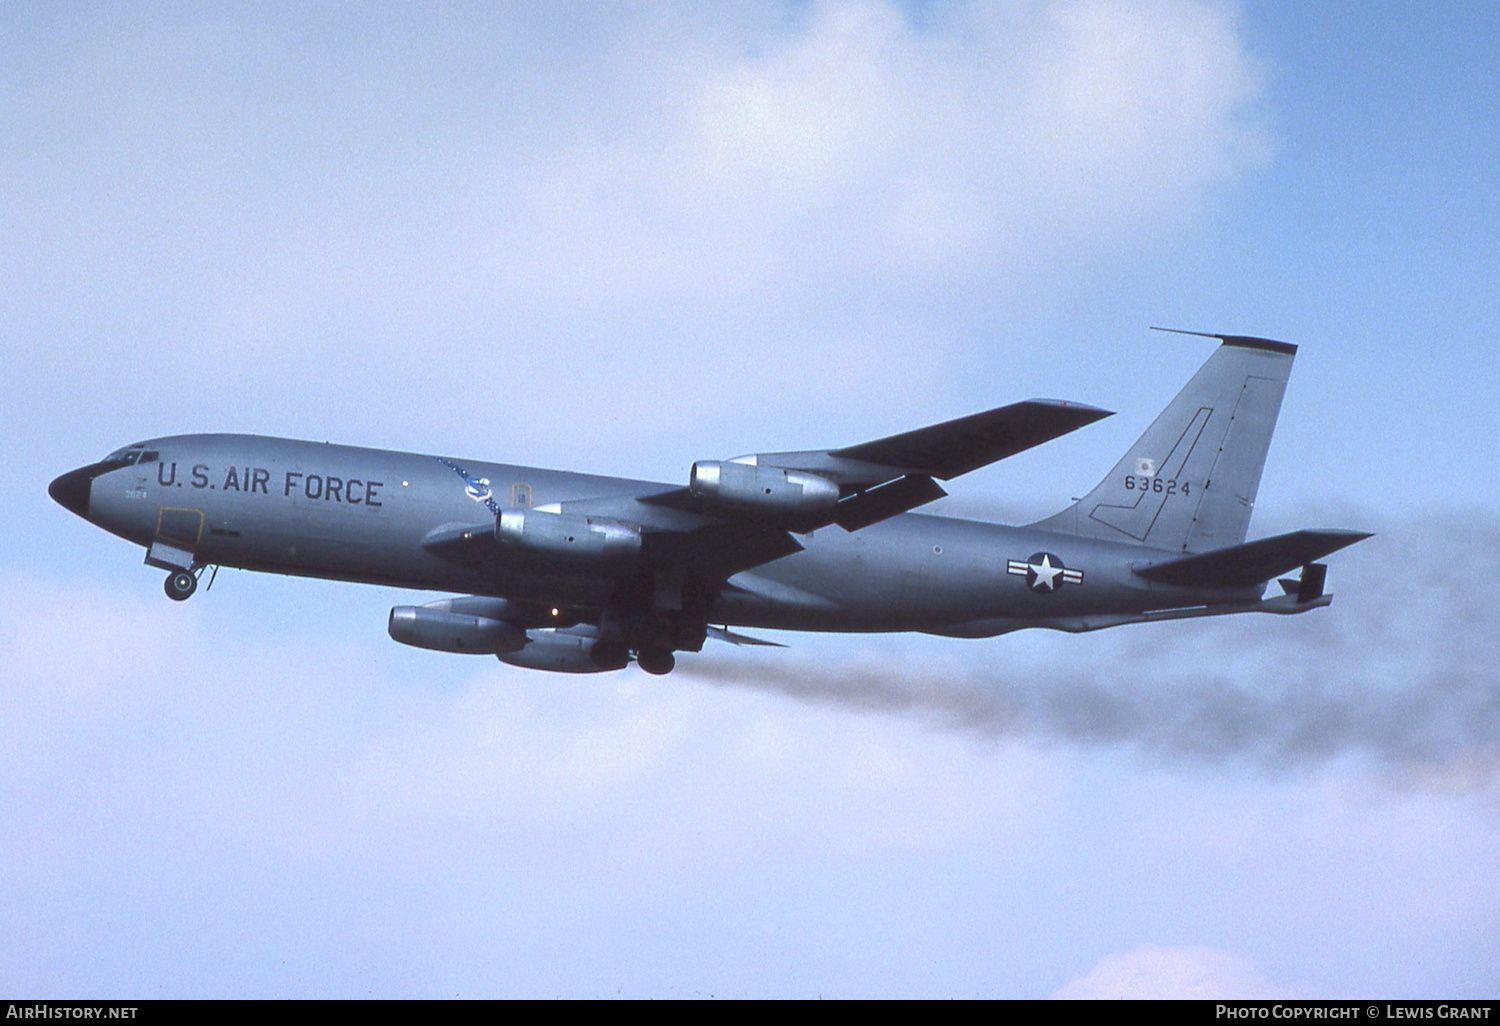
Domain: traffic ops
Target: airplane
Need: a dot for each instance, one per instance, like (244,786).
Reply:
(579,573)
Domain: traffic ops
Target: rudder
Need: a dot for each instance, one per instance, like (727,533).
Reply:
(1188,484)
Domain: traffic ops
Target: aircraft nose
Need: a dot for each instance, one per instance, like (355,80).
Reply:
(71,490)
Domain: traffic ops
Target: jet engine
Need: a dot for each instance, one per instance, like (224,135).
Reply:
(568,534)
(446,631)
(566,650)
(768,490)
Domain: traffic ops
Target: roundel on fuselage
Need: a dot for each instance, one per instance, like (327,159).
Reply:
(1044,572)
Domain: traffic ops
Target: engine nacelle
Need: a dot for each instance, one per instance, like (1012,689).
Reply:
(562,650)
(568,534)
(769,490)
(445,631)
(524,615)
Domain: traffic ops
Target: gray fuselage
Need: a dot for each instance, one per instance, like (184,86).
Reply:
(344,513)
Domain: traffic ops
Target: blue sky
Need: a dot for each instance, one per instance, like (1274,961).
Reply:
(620,239)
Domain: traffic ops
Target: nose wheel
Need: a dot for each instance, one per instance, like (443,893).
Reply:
(180,586)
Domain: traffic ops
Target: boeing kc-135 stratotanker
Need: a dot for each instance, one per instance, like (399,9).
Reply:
(578,573)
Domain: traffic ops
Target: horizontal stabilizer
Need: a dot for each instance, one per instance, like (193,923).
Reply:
(958,446)
(1240,566)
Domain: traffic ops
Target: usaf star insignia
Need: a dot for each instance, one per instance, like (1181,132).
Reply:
(1044,572)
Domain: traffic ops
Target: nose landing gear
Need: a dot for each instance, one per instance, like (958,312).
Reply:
(180,586)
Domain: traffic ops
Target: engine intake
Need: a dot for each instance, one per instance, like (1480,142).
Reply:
(766,489)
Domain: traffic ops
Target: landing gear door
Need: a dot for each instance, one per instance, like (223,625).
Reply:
(177,534)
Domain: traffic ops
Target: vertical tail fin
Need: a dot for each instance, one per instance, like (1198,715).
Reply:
(1189,483)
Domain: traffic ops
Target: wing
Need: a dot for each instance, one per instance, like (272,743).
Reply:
(860,485)
(958,446)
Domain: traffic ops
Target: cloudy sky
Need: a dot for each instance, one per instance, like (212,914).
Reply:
(620,238)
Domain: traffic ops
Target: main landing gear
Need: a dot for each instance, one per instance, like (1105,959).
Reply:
(613,655)
(610,655)
(656,660)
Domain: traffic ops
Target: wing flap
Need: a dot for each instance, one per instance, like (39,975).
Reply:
(720,634)
(886,501)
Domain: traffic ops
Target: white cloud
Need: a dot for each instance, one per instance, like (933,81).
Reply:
(93,682)
(750,205)
(861,146)
(205,787)
(1149,972)
(342,815)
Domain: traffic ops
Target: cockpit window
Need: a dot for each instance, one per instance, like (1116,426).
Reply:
(132,454)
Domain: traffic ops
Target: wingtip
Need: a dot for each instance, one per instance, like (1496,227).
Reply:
(1341,538)
(1096,412)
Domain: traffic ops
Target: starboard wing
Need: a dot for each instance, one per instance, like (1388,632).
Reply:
(877,480)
